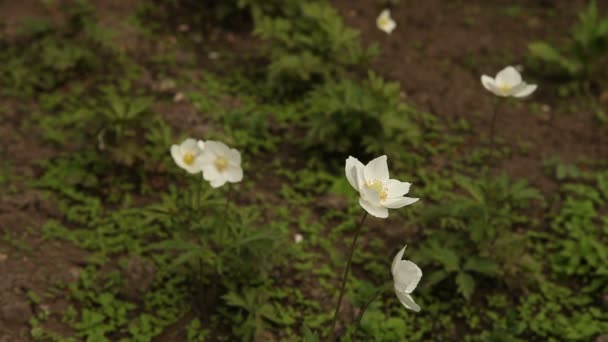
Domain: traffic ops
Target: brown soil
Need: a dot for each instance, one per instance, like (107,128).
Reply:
(430,54)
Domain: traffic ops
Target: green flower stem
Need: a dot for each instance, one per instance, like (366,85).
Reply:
(345,276)
(497,103)
(364,309)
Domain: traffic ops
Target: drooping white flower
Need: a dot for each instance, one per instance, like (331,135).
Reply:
(406,276)
(220,163)
(187,155)
(385,22)
(508,83)
(378,192)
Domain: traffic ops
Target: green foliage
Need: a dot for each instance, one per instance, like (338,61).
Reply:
(46,57)
(308,43)
(477,236)
(580,251)
(256,312)
(584,56)
(347,116)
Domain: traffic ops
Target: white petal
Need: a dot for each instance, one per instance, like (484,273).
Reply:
(392,25)
(508,76)
(201,145)
(529,89)
(488,82)
(497,91)
(377,169)
(213,146)
(398,202)
(354,172)
(194,168)
(407,275)
(177,156)
(397,259)
(407,301)
(234,156)
(397,188)
(234,174)
(385,14)
(210,172)
(208,156)
(189,145)
(376,211)
(371,196)
(216,183)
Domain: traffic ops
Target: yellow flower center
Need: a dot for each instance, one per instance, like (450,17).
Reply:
(188,158)
(383,22)
(505,88)
(378,187)
(221,163)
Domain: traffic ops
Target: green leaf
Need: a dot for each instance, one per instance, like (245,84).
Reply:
(466,284)
(481,265)
(435,278)
(548,54)
(447,258)
(309,335)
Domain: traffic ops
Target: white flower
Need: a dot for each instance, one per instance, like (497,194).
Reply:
(378,192)
(385,22)
(508,83)
(406,276)
(187,155)
(220,163)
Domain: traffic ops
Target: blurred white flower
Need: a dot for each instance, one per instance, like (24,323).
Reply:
(385,22)
(378,192)
(178,97)
(507,83)
(406,276)
(213,55)
(297,238)
(187,155)
(220,163)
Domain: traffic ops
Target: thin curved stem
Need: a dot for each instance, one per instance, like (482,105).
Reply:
(345,276)
(364,309)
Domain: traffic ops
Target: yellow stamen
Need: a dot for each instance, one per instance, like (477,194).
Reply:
(188,158)
(505,88)
(378,187)
(221,163)
(383,22)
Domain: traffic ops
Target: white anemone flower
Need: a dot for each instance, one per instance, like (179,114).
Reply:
(221,164)
(508,83)
(406,276)
(378,192)
(385,22)
(187,155)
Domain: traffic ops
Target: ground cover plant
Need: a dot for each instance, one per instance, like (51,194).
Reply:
(303,170)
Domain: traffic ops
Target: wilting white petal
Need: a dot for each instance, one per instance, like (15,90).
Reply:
(407,301)
(407,276)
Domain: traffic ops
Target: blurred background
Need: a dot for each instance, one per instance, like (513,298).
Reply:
(103,238)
